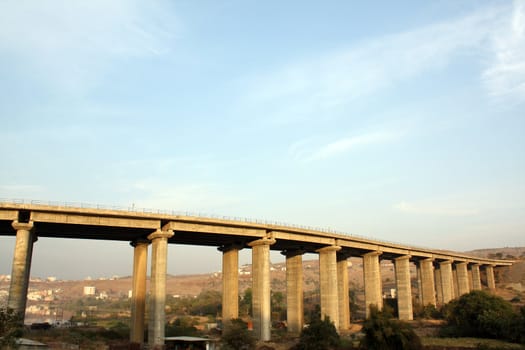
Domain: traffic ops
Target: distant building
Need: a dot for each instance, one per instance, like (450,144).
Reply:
(89,290)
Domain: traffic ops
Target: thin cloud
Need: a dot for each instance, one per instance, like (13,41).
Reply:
(505,77)
(309,88)
(305,150)
(434,209)
(69,45)
(349,143)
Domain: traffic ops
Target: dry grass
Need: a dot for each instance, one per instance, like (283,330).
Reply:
(473,343)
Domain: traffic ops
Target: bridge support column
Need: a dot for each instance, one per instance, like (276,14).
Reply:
(447,287)
(138,291)
(157,319)
(261,302)
(328,283)
(372,281)
(230,283)
(491,282)
(21,268)
(342,291)
(462,272)
(476,278)
(428,294)
(455,289)
(294,291)
(404,289)
(439,285)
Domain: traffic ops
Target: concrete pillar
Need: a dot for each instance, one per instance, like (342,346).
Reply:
(261,302)
(455,282)
(138,291)
(439,285)
(427,285)
(469,274)
(446,281)
(328,283)
(476,278)
(21,268)
(491,282)
(342,292)
(294,291)
(230,283)
(157,319)
(462,272)
(372,281)
(403,288)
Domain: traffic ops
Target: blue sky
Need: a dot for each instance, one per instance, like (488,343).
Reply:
(398,121)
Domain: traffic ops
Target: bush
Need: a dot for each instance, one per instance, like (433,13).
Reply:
(319,335)
(479,314)
(382,333)
(11,328)
(236,336)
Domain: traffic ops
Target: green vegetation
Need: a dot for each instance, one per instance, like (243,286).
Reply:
(236,336)
(319,335)
(11,328)
(382,333)
(182,326)
(479,314)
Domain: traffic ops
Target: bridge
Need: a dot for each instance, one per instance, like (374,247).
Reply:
(443,275)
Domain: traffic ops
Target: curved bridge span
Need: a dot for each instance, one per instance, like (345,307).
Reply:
(444,275)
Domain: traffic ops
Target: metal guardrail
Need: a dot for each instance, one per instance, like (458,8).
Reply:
(133,209)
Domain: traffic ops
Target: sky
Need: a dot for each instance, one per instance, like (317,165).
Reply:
(400,121)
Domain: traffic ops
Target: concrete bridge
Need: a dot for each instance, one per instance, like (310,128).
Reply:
(443,275)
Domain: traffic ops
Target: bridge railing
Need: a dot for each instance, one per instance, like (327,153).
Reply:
(133,209)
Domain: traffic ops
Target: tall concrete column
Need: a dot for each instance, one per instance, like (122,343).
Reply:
(342,292)
(439,285)
(261,302)
(138,291)
(328,283)
(294,291)
(403,287)
(372,281)
(469,275)
(462,272)
(427,286)
(230,283)
(491,282)
(476,278)
(21,268)
(446,281)
(455,289)
(157,319)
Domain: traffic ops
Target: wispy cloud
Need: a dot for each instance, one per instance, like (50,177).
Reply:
(305,150)
(316,87)
(192,197)
(441,209)
(69,45)
(505,77)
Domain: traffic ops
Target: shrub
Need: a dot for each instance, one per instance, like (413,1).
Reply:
(319,335)
(382,333)
(236,336)
(11,327)
(479,314)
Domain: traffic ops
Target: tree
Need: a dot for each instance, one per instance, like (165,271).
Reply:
(246,302)
(319,335)
(236,336)
(11,328)
(383,333)
(479,314)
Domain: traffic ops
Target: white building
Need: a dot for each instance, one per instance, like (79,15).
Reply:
(89,290)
